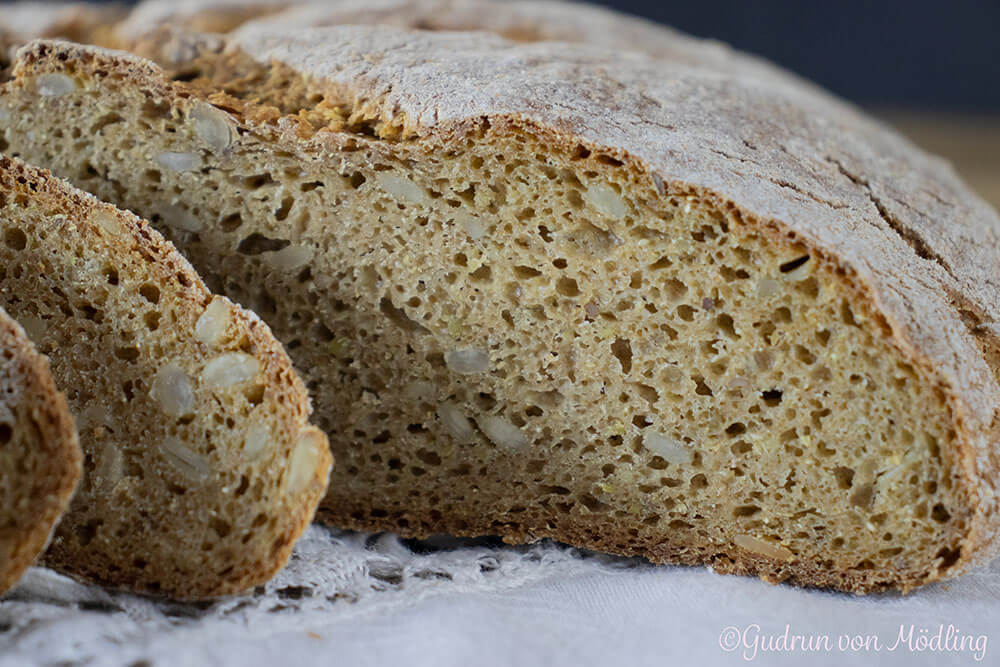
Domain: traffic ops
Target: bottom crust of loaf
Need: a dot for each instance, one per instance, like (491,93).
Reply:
(536,525)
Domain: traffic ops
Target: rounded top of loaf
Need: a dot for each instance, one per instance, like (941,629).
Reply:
(917,237)
(900,220)
(518,20)
(524,21)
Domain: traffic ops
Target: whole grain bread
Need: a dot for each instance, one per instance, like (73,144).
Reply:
(543,290)
(39,453)
(200,467)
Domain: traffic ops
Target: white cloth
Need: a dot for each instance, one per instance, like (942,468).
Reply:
(352,599)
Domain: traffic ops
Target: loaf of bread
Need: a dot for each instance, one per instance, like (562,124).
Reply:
(542,290)
(39,453)
(200,468)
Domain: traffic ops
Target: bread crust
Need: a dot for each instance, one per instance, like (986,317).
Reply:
(139,248)
(517,20)
(908,236)
(48,469)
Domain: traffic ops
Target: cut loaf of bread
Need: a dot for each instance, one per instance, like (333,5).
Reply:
(200,467)
(540,290)
(39,454)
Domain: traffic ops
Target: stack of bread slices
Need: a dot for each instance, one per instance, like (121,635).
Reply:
(541,270)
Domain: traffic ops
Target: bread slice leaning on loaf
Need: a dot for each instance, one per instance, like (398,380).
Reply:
(201,469)
(551,291)
(39,453)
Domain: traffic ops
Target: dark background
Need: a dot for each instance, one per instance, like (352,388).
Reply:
(940,55)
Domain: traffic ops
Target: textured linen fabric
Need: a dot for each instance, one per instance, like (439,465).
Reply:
(355,599)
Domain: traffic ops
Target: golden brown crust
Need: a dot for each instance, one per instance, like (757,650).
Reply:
(535,526)
(128,527)
(41,456)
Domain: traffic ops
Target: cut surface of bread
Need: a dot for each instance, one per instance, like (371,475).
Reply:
(200,468)
(550,291)
(39,453)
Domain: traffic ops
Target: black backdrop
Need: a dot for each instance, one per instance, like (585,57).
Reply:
(935,54)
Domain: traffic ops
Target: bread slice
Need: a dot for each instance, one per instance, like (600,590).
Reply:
(39,453)
(200,467)
(542,290)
